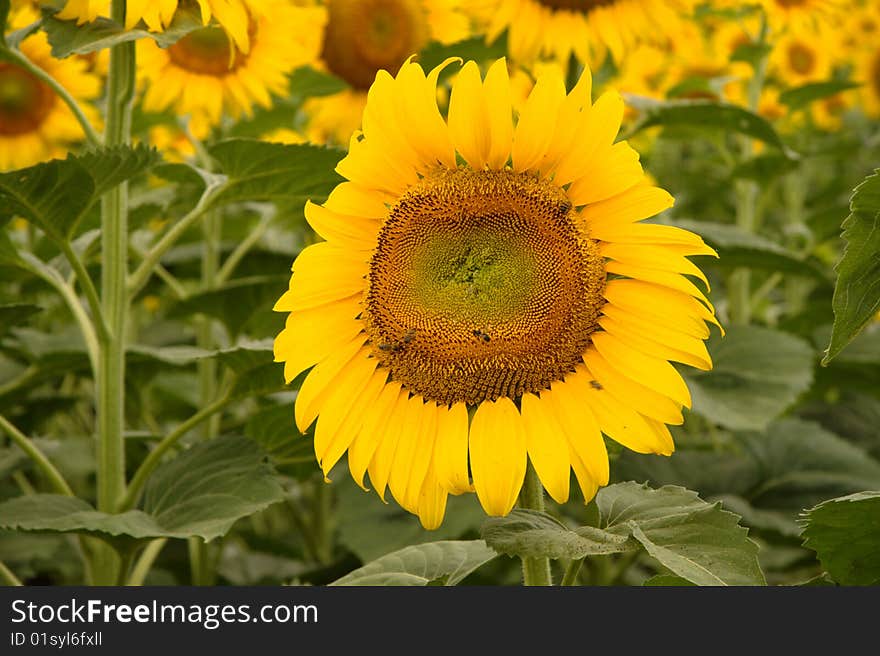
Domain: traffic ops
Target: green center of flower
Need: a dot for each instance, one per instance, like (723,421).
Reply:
(483,284)
(365,36)
(580,6)
(25,101)
(207,51)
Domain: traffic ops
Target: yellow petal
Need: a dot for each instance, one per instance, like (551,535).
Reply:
(315,387)
(345,230)
(498,455)
(367,440)
(589,457)
(532,138)
(496,90)
(665,306)
(612,171)
(324,273)
(635,204)
(383,457)
(420,117)
(451,449)
(575,103)
(652,372)
(665,278)
(468,119)
(697,357)
(432,501)
(649,402)
(413,454)
(596,129)
(547,446)
(350,198)
(652,257)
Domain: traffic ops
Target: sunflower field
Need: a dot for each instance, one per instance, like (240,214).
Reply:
(410,292)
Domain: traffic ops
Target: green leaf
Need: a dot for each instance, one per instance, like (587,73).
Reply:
(764,167)
(532,534)
(275,431)
(67,38)
(693,539)
(253,364)
(56,195)
(801,96)
(202,492)
(288,174)
(4,15)
(207,488)
(16,314)
(845,534)
(710,116)
(423,563)
(737,248)
(857,293)
(667,580)
(751,53)
(757,374)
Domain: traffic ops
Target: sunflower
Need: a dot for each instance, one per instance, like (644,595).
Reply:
(362,37)
(587,29)
(486,294)
(800,14)
(205,77)
(35,124)
(800,56)
(231,15)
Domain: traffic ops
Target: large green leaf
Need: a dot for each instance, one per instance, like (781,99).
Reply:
(202,492)
(845,534)
(68,38)
(254,369)
(287,174)
(207,488)
(56,195)
(857,293)
(707,115)
(757,374)
(15,314)
(738,248)
(694,540)
(767,478)
(421,564)
(801,96)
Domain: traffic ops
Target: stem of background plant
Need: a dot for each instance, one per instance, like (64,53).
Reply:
(322,524)
(114,299)
(39,458)
(740,281)
(536,571)
(199,555)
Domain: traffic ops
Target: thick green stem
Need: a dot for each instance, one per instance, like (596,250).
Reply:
(88,287)
(155,456)
(39,458)
(145,562)
(114,301)
(536,571)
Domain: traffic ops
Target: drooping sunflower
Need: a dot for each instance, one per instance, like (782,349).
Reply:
(35,124)
(203,76)
(486,294)
(231,15)
(361,37)
(588,29)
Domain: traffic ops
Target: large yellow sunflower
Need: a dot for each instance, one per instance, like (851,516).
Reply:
(205,77)
(35,124)
(585,28)
(231,15)
(362,37)
(487,294)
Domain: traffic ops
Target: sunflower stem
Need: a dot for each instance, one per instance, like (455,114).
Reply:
(145,562)
(536,571)
(571,572)
(114,301)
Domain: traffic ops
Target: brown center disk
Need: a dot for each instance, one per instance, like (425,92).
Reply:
(364,36)
(582,6)
(209,51)
(483,284)
(25,101)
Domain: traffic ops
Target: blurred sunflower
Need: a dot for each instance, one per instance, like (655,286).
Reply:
(868,73)
(203,76)
(232,15)
(487,294)
(35,124)
(362,37)
(587,29)
(800,56)
(800,14)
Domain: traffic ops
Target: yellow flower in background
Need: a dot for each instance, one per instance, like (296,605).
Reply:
(487,293)
(231,15)
(587,29)
(801,56)
(35,124)
(828,112)
(802,14)
(362,37)
(203,76)
(868,74)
